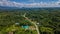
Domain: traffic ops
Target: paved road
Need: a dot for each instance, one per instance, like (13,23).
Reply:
(32,23)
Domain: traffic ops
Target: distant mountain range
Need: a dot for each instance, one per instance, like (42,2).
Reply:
(11,8)
(7,8)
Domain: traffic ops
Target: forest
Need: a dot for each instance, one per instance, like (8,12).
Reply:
(48,19)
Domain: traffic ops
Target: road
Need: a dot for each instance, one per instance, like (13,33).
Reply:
(37,29)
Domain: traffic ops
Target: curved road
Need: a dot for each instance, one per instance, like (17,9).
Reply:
(32,23)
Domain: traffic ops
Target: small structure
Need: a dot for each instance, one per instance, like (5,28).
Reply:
(17,23)
(37,23)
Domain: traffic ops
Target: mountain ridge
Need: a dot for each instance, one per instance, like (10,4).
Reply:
(11,8)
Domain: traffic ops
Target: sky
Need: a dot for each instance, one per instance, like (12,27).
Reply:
(30,3)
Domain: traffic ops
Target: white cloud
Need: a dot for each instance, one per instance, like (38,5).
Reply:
(34,4)
(9,3)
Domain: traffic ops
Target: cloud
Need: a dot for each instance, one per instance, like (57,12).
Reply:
(9,3)
(34,4)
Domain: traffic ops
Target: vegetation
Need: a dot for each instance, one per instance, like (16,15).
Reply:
(48,19)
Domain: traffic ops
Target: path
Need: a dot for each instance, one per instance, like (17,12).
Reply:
(32,23)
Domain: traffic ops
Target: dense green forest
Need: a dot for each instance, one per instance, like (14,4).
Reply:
(48,19)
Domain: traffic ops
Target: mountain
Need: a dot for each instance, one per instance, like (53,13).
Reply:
(25,8)
(8,8)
